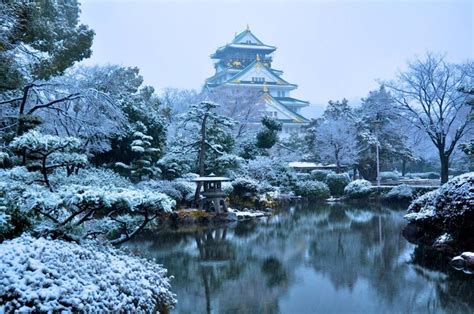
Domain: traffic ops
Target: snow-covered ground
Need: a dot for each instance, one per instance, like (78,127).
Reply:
(44,275)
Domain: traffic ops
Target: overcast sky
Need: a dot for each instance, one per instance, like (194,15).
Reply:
(331,49)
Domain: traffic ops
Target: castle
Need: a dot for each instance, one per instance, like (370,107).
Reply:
(246,62)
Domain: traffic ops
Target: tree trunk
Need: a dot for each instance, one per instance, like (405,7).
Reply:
(444,159)
(404,167)
(201,157)
(44,171)
(338,163)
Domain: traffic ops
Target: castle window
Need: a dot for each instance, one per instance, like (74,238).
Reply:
(258,79)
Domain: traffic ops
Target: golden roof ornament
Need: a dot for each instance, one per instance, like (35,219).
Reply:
(248,28)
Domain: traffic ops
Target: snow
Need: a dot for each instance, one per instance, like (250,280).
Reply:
(247,214)
(303,164)
(53,275)
(36,141)
(402,191)
(138,149)
(452,200)
(91,192)
(468,255)
(358,188)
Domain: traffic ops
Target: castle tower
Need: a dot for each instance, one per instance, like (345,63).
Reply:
(247,62)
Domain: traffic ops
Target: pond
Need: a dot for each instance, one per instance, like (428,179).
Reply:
(323,258)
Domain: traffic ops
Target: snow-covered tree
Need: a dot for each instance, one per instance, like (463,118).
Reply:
(145,162)
(243,105)
(42,39)
(468,147)
(335,135)
(379,123)
(204,134)
(427,95)
(48,152)
(142,108)
(265,139)
(337,142)
(39,39)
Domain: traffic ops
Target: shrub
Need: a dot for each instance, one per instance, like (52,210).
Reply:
(173,166)
(71,210)
(389,175)
(187,188)
(320,175)
(90,177)
(423,175)
(358,188)
(244,186)
(448,209)
(337,182)
(312,189)
(267,170)
(42,275)
(227,188)
(402,192)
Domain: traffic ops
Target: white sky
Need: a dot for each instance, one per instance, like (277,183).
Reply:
(331,49)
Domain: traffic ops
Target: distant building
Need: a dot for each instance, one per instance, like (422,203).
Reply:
(246,62)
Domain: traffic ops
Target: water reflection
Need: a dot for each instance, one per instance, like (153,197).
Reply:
(320,259)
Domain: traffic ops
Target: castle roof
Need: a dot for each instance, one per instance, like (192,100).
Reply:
(291,115)
(258,69)
(246,40)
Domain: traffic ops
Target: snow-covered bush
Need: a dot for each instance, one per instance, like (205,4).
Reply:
(358,188)
(320,175)
(179,190)
(163,186)
(390,175)
(48,152)
(337,182)
(227,188)
(312,189)
(186,188)
(227,162)
(452,202)
(175,165)
(423,175)
(144,163)
(4,159)
(422,207)
(271,171)
(402,192)
(90,177)
(448,209)
(42,275)
(13,183)
(244,186)
(71,210)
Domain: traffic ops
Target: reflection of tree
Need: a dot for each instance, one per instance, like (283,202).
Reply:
(274,271)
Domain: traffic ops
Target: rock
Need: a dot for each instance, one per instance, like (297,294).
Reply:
(468,258)
(458,263)
(464,262)
(448,210)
